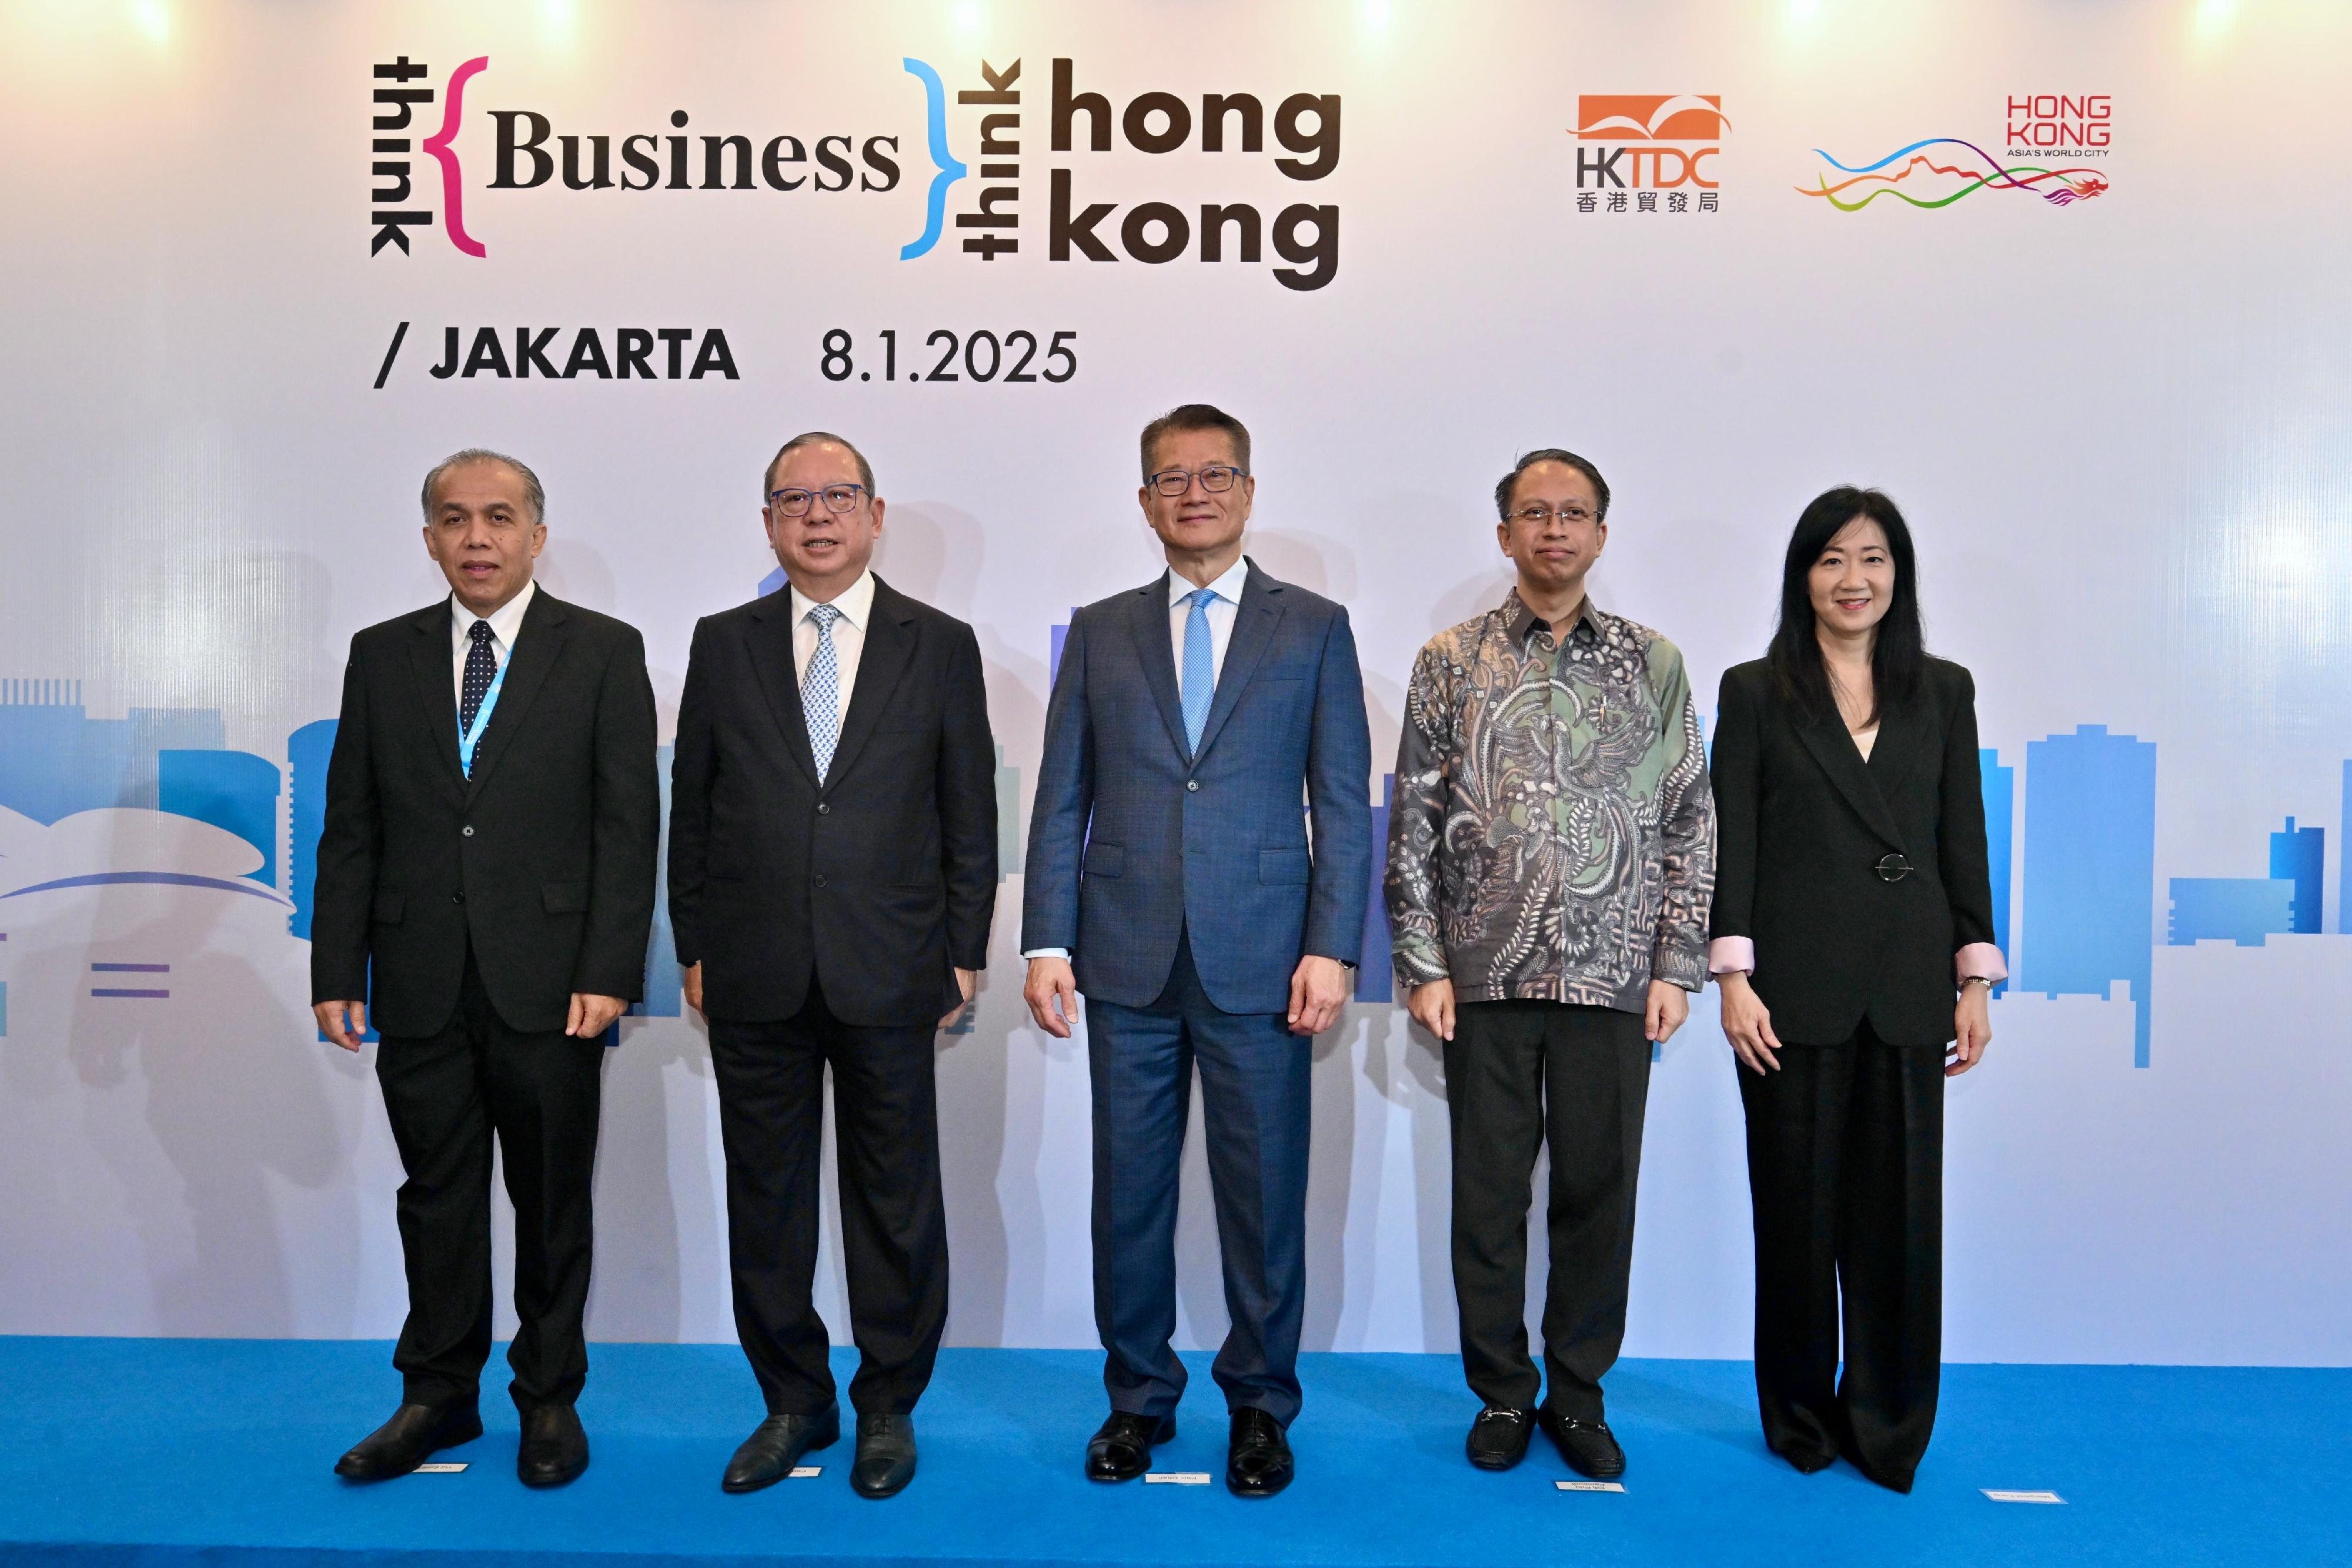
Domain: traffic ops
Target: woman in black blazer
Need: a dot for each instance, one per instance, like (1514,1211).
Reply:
(1851,899)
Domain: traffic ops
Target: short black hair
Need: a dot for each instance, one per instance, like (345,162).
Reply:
(1527,460)
(814,438)
(1197,416)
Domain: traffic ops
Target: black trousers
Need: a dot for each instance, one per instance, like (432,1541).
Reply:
(1845,1173)
(447,1094)
(893,1224)
(1517,1074)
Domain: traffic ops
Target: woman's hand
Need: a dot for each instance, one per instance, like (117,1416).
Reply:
(1971,1028)
(1748,1024)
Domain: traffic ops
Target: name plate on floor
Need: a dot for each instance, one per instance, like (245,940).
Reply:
(807,1472)
(2022,1496)
(1590,1486)
(1177,1478)
(440,1467)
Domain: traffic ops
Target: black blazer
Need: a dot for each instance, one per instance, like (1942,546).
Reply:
(880,881)
(543,861)
(1803,823)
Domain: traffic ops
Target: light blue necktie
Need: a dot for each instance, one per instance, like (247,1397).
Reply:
(821,690)
(1200,667)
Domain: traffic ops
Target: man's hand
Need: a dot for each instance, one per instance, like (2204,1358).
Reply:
(965,981)
(1748,1024)
(1319,989)
(332,1022)
(692,980)
(1972,1029)
(1669,1004)
(1051,983)
(591,1015)
(1431,1005)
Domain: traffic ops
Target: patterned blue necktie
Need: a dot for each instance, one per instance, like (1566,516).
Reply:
(1200,667)
(480,666)
(821,690)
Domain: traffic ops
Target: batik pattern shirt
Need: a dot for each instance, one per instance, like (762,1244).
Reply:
(1552,835)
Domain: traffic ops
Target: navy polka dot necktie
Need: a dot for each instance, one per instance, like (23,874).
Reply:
(481,665)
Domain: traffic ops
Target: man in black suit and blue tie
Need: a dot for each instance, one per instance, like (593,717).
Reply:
(1171,878)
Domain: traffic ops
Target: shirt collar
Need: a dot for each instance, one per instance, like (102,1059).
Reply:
(856,602)
(1227,587)
(1521,621)
(506,620)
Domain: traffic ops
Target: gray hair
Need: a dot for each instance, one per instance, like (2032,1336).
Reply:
(531,490)
(1527,460)
(817,438)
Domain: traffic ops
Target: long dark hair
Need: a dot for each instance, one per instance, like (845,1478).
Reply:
(1898,651)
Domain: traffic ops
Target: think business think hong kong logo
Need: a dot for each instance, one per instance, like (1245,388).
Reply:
(1282,145)
(2053,146)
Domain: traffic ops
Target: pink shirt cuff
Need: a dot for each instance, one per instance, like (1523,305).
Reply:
(1733,955)
(1979,961)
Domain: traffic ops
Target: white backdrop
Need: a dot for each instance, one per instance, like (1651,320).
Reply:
(2119,422)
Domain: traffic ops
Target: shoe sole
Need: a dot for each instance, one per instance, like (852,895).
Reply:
(826,1438)
(541,1483)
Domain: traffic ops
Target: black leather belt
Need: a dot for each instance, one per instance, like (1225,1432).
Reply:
(1892,868)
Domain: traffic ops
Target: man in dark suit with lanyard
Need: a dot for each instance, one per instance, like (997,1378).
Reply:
(485,893)
(1169,879)
(832,876)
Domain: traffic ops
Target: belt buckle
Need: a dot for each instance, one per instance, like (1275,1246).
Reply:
(1892,868)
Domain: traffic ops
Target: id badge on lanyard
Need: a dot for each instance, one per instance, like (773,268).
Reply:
(470,737)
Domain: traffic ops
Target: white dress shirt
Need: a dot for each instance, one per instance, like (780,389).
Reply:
(1222,609)
(856,606)
(506,624)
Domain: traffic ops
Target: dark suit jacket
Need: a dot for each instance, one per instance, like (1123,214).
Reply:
(543,861)
(1215,844)
(882,880)
(1803,822)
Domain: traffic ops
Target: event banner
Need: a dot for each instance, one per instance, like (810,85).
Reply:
(2064,279)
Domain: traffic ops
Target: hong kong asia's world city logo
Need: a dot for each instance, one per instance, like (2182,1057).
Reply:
(1648,152)
(2053,146)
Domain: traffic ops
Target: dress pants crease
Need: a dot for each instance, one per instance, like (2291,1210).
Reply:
(1845,1178)
(447,1096)
(893,1220)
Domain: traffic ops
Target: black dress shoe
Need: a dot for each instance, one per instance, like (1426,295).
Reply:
(776,1445)
(412,1437)
(885,1455)
(1588,1445)
(1257,1455)
(554,1446)
(1121,1447)
(1498,1437)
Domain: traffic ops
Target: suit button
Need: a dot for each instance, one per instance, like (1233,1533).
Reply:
(467,830)
(459,896)
(1192,785)
(823,809)
(820,879)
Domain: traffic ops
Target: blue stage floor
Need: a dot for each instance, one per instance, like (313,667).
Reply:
(219,1452)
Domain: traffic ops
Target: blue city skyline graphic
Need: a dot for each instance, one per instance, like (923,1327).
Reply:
(2085,894)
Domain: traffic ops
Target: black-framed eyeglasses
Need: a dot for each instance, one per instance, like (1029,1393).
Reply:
(796,503)
(1540,516)
(1216,478)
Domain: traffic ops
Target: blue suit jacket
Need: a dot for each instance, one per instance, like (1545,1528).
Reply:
(1217,842)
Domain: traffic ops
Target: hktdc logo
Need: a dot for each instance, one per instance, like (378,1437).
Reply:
(1634,150)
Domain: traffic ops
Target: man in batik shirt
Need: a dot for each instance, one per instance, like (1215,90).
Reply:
(1551,855)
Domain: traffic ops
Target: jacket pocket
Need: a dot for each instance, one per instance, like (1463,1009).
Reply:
(1281,868)
(390,905)
(1105,859)
(565,897)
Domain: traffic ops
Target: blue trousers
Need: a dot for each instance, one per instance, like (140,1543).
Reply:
(1255,1094)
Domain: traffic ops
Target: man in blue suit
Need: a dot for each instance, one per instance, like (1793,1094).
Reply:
(1171,878)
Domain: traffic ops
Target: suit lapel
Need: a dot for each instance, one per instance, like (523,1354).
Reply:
(1259,613)
(1835,749)
(1154,647)
(538,643)
(437,690)
(890,639)
(771,647)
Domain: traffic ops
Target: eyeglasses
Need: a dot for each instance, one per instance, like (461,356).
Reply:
(1539,516)
(1216,478)
(796,503)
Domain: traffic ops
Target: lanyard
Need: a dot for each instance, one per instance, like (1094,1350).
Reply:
(469,738)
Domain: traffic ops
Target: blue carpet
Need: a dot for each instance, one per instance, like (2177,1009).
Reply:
(219,1452)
